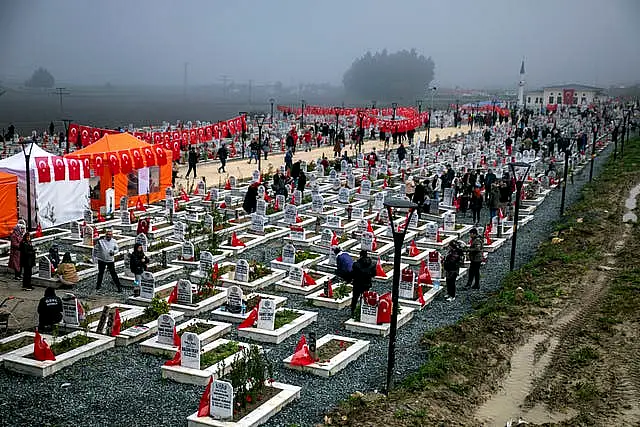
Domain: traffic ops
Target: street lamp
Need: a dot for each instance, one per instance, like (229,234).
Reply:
(419,104)
(272,101)
(567,152)
(66,122)
(27,157)
(243,135)
(519,170)
(260,120)
(302,116)
(433,91)
(593,147)
(398,241)
(394,132)
(361,130)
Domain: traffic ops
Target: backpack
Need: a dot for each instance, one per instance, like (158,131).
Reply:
(452,260)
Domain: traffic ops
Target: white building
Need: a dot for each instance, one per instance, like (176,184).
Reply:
(569,94)
(521,83)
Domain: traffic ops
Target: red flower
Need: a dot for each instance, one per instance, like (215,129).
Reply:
(249,398)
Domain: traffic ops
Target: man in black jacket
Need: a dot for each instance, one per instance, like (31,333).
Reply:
(363,271)
(193,160)
(49,310)
(223,153)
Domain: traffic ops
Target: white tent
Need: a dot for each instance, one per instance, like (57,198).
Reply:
(52,203)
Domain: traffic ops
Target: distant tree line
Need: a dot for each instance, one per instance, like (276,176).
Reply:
(400,76)
(41,78)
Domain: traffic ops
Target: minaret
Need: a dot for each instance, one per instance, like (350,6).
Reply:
(521,86)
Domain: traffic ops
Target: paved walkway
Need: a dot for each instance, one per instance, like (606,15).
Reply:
(242,169)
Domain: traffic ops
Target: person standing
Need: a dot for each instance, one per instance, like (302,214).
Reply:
(418,196)
(363,271)
(106,249)
(409,188)
(14,252)
(302,183)
(223,153)
(251,198)
(452,262)
(27,261)
(402,152)
(288,159)
(138,264)
(476,204)
(52,129)
(193,161)
(475,257)
(49,310)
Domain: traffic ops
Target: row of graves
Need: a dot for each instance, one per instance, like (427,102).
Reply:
(209,306)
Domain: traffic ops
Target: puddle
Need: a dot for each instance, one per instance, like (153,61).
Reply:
(525,369)
(631,204)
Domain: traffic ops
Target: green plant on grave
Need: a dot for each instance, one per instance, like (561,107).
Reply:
(157,307)
(248,377)
(258,270)
(305,255)
(342,291)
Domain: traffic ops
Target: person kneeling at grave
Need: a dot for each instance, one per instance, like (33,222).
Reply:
(138,263)
(67,271)
(344,264)
(364,269)
(49,310)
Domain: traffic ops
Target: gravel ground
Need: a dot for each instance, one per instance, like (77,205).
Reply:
(122,386)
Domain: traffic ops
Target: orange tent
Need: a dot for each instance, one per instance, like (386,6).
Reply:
(9,203)
(157,176)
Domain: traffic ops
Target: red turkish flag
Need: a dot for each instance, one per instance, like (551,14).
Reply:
(166,137)
(44,171)
(161,156)
(41,350)
(168,145)
(157,138)
(225,129)
(239,125)
(232,127)
(126,162)
(193,136)
(85,135)
(73,133)
(149,158)
(201,135)
(114,163)
(74,169)
(208,132)
(139,135)
(98,164)
(176,150)
(176,135)
(86,165)
(138,161)
(204,409)
(96,133)
(59,168)
(216,131)
(185,137)
(148,138)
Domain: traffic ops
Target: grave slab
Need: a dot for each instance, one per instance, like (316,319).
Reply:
(139,333)
(221,313)
(278,335)
(320,278)
(406,314)
(319,299)
(152,346)
(338,362)
(17,338)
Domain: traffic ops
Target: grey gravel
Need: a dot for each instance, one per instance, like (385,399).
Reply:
(122,386)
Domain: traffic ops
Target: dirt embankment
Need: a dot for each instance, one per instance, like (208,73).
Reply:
(562,350)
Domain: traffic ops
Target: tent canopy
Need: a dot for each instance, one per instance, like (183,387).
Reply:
(9,203)
(112,143)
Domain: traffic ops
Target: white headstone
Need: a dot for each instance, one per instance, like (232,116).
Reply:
(290,214)
(233,181)
(407,287)
(366,241)
(257,223)
(185,292)
(343,165)
(206,262)
(87,215)
(431,231)
(317,204)
(261,207)
(188,251)
(434,265)
(449,221)
(147,286)
(44,268)
(142,239)
(242,271)
(333,174)
(166,324)
(255,176)
(320,169)
(124,203)
(234,299)
(190,349)
(179,230)
(363,224)
(169,204)
(325,237)
(202,188)
(109,201)
(87,236)
(75,230)
(335,184)
(357,213)
(365,187)
(296,232)
(227,201)
(378,203)
(351,181)
(295,276)
(448,197)
(125,219)
(221,400)
(214,194)
(343,195)
(298,196)
(368,313)
(413,220)
(70,310)
(334,221)
(266,314)
(289,254)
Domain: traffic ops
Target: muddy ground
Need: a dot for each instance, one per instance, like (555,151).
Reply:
(558,345)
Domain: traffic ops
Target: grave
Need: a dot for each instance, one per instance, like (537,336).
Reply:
(341,296)
(276,336)
(228,278)
(247,303)
(353,348)
(295,282)
(362,327)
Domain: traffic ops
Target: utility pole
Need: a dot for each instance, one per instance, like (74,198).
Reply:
(62,91)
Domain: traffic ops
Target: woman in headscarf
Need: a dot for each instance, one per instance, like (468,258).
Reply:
(16,239)
(67,271)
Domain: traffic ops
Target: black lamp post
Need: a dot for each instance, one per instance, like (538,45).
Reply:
(272,101)
(244,132)
(361,130)
(27,157)
(419,104)
(519,170)
(593,148)
(433,92)
(398,241)
(302,116)
(66,122)
(260,121)
(567,152)
(394,105)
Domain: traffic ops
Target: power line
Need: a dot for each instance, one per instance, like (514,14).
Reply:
(62,91)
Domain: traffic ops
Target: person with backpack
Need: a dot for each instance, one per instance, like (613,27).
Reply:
(474,252)
(453,260)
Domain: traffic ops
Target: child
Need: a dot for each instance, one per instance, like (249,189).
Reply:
(138,264)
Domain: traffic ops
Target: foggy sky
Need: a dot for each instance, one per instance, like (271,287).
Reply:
(473,43)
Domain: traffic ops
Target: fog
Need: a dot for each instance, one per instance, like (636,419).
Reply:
(473,43)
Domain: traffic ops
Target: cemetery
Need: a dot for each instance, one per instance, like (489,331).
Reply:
(225,287)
